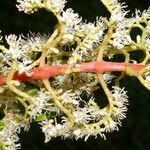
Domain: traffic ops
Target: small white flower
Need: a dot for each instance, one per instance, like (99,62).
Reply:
(70,97)
(81,116)
(23,68)
(78,133)
(59,80)
(111,125)
(108,77)
(57,5)
(133,61)
(147,76)
(88,113)
(92,131)
(28,6)
(48,129)
(51,129)
(70,18)
(138,39)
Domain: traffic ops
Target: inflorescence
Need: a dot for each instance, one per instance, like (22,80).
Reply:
(59,93)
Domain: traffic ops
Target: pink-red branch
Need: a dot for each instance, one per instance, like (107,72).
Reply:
(94,67)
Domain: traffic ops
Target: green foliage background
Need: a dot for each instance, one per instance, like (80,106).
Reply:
(135,131)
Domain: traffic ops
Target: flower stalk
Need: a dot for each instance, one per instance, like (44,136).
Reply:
(46,72)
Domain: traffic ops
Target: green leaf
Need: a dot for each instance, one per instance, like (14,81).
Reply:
(2,125)
(40,117)
(32,91)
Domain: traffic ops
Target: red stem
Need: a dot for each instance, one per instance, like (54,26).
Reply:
(95,67)
(103,66)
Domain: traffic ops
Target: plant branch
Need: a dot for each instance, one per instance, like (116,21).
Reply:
(94,67)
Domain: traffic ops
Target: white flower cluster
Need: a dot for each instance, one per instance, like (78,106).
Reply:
(51,129)
(118,12)
(82,117)
(88,114)
(91,35)
(139,19)
(93,40)
(87,132)
(30,45)
(71,20)
(41,103)
(142,16)
(120,103)
(21,48)
(9,132)
(35,41)
(14,51)
(70,97)
(30,6)
(122,35)
(15,44)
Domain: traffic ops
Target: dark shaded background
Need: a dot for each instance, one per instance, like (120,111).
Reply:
(134,133)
